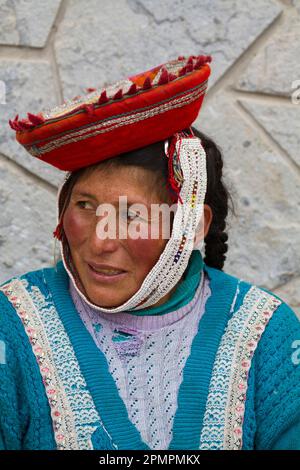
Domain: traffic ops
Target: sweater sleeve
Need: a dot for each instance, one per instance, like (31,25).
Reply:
(12,407)
(25,416)
(277,388)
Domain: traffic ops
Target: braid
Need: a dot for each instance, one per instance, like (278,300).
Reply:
(217,197)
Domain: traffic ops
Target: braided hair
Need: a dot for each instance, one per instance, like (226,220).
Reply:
(152,158)
(218,198)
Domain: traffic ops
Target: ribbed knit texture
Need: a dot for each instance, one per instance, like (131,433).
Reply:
(273,398)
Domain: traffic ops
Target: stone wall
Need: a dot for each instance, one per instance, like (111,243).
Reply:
(51,50)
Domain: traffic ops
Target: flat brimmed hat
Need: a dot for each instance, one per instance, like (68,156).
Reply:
(127,115)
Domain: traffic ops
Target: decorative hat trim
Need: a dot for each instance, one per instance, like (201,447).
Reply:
(94,128)
(163,76)
(129,114)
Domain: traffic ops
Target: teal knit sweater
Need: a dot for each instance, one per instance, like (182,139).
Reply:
(270,376)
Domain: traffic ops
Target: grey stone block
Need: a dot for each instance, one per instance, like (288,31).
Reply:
(26,22)
(29,87)
(113,40)
(264,243)
(28,218)
(277,64)
(281,122)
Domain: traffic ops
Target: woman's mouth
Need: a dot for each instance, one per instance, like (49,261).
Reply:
(106,274)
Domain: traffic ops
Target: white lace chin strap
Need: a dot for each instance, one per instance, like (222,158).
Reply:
(169,268)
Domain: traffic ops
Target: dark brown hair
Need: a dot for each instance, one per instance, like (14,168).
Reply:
(152,158)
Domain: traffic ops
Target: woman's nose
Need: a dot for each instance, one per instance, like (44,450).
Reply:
(103,236)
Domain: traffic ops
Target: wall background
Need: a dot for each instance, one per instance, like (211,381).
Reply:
(51,50)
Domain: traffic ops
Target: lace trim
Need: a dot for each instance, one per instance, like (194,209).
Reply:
(225,407)
(73,413)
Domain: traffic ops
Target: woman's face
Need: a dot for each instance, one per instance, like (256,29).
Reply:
(133,256)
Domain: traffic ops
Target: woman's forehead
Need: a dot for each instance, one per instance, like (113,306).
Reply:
(130,173)
(131,181)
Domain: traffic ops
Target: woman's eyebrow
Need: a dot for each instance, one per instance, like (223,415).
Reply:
(83,194)
(78,193)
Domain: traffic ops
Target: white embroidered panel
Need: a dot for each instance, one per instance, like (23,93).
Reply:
(225,407)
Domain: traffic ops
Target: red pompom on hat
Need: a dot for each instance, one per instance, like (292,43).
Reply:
(130,114)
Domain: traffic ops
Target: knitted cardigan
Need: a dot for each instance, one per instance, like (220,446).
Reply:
(146,351)
(240,389)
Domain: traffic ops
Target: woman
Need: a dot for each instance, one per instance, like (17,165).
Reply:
(136,341)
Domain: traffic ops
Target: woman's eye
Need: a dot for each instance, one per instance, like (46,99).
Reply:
(133,216)
(81,204)
(130,215)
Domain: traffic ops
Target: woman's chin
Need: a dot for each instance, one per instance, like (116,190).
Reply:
(105,301)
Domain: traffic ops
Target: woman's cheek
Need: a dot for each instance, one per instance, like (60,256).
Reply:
(145,252)
(75,227)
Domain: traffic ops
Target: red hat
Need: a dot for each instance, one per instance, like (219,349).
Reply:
(132,113)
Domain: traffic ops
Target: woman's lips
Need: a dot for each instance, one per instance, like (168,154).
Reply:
(103,277)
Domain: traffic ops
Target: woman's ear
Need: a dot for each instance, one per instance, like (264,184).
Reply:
(203,227)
